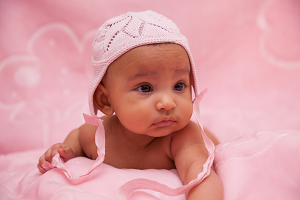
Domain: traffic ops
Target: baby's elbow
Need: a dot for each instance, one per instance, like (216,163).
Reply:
(217,186)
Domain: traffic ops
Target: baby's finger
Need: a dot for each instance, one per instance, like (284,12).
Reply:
(41,169)
(50,153)
(66,153)
(54,151)
(41,162)
(48,156)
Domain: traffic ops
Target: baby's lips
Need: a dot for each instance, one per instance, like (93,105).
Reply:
(165,121)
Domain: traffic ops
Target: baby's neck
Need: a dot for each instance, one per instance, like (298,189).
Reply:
(124,149)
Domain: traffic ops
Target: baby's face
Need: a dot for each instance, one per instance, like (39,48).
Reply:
(149,89)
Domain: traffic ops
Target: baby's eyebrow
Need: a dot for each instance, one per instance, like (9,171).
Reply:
(182,71)
(154,73)
(142,74)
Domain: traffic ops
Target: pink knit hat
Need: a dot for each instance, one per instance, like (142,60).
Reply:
(125,32)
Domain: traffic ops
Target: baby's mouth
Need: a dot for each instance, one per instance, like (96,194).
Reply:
(167,121)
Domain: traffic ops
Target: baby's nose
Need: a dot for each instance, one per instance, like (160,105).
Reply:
(166,102)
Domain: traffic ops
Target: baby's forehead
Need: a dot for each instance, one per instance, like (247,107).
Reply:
(161,52)
(149,60)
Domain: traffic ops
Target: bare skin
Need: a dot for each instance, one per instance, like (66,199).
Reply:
(149,90)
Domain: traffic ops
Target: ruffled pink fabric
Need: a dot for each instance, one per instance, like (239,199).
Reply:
(261,165)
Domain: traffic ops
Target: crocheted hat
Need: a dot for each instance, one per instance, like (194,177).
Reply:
(127,31)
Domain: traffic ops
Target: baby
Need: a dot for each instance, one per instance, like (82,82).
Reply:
(144,76)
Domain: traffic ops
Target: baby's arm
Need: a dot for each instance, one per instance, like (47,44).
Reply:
(78,143)
(189,154)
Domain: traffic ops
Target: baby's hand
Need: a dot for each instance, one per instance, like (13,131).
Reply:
(64,151)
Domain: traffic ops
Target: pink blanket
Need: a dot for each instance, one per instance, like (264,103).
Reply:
(247,54)
(263,165)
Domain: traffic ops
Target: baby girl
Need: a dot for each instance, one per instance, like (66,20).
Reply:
(143,84)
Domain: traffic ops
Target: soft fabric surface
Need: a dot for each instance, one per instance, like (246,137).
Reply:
(263,165)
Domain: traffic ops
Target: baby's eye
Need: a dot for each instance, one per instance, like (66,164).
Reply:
(179,87)
(144,88)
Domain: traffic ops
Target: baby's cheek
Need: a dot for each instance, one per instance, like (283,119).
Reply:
(134,120)
(187,111)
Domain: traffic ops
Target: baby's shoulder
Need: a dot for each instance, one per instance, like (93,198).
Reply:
(190,134)
(190,129)
(87,140)
(188,144)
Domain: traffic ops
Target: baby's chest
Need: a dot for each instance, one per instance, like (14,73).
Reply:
(152,158)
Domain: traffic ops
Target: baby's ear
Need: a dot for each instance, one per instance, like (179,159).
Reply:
(101,100)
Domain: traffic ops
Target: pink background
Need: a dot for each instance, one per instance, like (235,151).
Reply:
(247,54)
